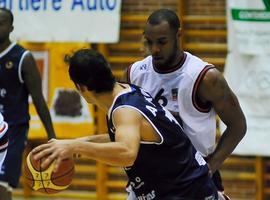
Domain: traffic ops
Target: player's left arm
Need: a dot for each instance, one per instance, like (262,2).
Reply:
(33,83)
(215,89)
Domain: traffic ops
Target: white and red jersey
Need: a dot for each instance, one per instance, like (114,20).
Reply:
(3,139)
(176,90)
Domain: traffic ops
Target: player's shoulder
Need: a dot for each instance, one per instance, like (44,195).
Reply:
(194,63)
(18,47)
(195,60)
(143,64)
(16,51)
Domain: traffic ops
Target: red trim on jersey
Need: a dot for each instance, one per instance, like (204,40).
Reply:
(3,139)
(128,73)
(200,106)
(176,67)
(3,128)
(3,147)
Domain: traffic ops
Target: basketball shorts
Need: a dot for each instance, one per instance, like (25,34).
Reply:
(11,168)
(218,181)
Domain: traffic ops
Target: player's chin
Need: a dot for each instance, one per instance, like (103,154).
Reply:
(159,63)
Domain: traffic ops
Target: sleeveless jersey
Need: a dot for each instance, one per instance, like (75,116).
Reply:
(165,169)
(13,91)
(177,92)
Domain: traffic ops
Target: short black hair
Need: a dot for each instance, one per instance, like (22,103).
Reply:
(165,15)
(11,18)
(88,67)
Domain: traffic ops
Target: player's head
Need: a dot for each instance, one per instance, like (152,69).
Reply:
(162,34)
(90,69)
(6,24)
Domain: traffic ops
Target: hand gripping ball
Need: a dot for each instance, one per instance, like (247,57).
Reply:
(46,180)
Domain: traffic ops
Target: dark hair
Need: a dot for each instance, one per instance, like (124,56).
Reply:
(165,15)
(9,13)
(88,67)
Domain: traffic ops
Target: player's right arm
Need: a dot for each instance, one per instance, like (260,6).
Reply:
(32,81)
(101,138)
(122,152)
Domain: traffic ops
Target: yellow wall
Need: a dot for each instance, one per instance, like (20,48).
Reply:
(58,78)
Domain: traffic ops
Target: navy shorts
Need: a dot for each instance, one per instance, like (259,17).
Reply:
(203,188)
(216,178)
(11,169)
(218,181)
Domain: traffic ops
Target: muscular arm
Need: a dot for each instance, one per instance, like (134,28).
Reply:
(33,83)
(101,138)
(215,89)
(122,152)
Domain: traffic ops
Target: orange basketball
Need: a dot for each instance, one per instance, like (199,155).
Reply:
(45,180)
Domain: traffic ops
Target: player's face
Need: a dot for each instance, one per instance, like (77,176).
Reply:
(5,26)
(162,43)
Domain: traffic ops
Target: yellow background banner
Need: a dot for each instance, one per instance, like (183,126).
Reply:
(72,116)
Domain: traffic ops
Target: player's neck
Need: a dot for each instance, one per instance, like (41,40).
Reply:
(4,44)
(105,99)
(175,63)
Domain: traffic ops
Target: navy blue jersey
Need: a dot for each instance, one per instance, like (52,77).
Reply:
(13,91)
(169,169)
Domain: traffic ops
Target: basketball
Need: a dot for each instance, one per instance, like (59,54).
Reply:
(46,180)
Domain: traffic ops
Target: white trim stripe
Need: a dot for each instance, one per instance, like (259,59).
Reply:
(20,66)
(3,53)
(2,133)
(142,142)
(4,146)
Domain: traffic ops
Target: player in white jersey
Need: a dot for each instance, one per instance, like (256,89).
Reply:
(190,88)
(169,94)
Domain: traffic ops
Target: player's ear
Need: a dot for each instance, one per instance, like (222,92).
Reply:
(81,88)
(11,28)
(78,87)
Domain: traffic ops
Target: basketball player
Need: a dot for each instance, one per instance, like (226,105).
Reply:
(146,139)
(19,77)
(194,91)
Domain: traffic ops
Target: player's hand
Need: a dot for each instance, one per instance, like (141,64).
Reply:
(57,150)
(210,171)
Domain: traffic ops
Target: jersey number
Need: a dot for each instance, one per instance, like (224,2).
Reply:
(161,99)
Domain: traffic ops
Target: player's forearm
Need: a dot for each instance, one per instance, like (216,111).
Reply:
(101,138)
(45,117)
(227,143)
(112,153)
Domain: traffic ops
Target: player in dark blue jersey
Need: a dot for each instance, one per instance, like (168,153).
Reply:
(19,77)
(144,137)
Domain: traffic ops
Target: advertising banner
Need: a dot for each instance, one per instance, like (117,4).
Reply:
(249,26)
(65,20)
(249,77)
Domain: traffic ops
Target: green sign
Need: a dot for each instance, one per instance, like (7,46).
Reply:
(251,15)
